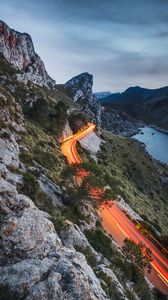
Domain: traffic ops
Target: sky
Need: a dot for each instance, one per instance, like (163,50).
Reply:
(121,42)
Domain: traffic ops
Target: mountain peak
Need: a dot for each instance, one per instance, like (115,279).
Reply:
(18,50)
(80,86)
(133,89)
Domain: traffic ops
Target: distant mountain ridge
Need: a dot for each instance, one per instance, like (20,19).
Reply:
(101,95)
(148,105)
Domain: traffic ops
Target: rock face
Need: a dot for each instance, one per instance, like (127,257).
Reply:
(18,50)
(91,143)
(80,89)
(33,261)
(51,190)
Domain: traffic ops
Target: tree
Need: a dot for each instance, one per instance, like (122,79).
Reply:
(139,254)
(58,117)
(89,182)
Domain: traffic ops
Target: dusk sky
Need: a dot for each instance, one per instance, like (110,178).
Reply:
(121,42)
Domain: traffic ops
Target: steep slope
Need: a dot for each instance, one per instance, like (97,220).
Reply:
(80,89)
(52,244)
(147,105)
(19,51)
(35,263)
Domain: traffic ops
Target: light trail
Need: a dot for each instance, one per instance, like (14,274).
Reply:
(124,224)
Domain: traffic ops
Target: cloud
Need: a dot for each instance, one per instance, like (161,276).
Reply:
(122,43)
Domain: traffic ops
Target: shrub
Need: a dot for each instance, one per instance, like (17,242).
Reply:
(109,286)
(100,242)
(134,254)
(90,257)
(30,185)
(58,222)
(26,157)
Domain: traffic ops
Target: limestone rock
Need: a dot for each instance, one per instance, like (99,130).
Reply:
(91,142)
(89,216)
(72,237)
(80,89)
(51,190)
(66,132)
(34,262)
(118,286)
(19,51)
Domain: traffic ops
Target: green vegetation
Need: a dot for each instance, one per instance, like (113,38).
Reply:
(30,185)
(134,254)
(125,270)
(26,157)
(137,176)
(90,257)
(109,286)
(42,148)
(122,165)
(94,181)
(58,222)
(100,242)
(78,120)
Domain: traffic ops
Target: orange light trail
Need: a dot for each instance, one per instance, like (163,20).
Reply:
(124,224)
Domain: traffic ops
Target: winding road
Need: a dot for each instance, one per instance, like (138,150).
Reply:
(116,222)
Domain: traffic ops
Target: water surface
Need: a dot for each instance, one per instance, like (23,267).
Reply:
(156,143)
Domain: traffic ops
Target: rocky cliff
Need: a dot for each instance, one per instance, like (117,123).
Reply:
(18,50)
(117,122)
(36,262)
(80,89)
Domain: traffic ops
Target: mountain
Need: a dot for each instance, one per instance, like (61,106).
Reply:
(18,50)
(150,106)
(80,89)
(53,244)
(100,95)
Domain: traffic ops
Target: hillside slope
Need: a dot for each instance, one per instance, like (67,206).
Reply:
(52,243)
(150,106)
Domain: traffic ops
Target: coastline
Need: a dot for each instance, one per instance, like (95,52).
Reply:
(158,129)
(144,146)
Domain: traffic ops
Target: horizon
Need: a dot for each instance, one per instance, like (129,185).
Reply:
(122,45)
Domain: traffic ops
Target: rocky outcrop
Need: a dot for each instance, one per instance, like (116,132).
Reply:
(31,249)
(66,132)
(80,89)
(18,50)
(91,143)
(51,190)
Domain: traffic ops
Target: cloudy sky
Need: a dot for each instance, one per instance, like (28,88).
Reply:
(121,42)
